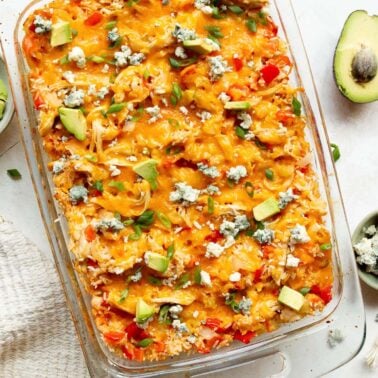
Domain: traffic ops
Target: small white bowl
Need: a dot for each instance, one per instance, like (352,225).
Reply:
(9,107)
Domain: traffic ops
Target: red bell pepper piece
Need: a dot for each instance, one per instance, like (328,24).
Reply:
(114,337)
(136,333)
(90,233)
(258,273)
(94,19)
(215,325)
(269,73)
(246,338)
(238,63)
(324,293)
(38,101)
(214,237)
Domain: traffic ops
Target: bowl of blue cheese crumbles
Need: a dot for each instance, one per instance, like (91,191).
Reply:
(365,245)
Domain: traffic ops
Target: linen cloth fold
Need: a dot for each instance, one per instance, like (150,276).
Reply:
(37,335)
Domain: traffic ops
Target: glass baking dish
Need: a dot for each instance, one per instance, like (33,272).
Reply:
(100,360)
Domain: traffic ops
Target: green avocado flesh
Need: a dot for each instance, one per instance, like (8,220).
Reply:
(74,122)
(356,58)
(61,34)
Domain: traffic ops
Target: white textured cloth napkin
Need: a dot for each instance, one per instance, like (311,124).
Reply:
(37,336)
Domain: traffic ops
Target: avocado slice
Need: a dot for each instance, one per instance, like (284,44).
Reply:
(61,33)
(291,298)
(74,121)
(156,261)
(237,105)
(355,61)
(147,170)
(2,109)
(266,209)
(143,311)
(3,91)
(199,45)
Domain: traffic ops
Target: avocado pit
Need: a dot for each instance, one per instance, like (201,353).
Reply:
(364,65)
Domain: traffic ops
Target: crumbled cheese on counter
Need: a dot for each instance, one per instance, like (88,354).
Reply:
(204,115)
(204,6)
(175,310)
(205,278)
(58,166)
(183,34)
(77,55)
(298,234)
(335,337)
(236,173)
(184,193)
(69,76)
(367,250)
(246,120)
(114,171)
(179,326)
(121,57)
(112,224)
(292,261)
(180,52)
(218,67)
(224,97)
(208,171)
(245,305)
(136,277)
(264,236)
(113,35)
(42,25)
(75,99)
(213,250)
(78,193)
(235,277)
(231,229)
(286,197)
(154,113)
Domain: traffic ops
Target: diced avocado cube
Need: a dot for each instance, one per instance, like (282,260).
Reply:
(237,105)
(291,298)
(266,209)
(157,262)
(74,121)
(198,45)
(143,311)
(147,170)
(2,109)
(61,33)
(3,91)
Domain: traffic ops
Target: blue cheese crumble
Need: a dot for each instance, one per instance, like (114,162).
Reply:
(113,35)
(58,166)
(184,193)
(112,224)
(236,173)
(212,190)
(136,59)
(78,193)
(224,97)
(154,113)
(286,197)
(246,120)
(69,76)
(121,57)
(183,34)
(204,115)
(77,55)
(180,52)
(298,235)
(75,99)
(245,305)
(231,229)
(367,250)
(175,310)
(335,337)
(205,278)
(208,171)
(137,276)
(213,250)
(179,326)
(264,236)
(204,6)
(218,67)
(42,25)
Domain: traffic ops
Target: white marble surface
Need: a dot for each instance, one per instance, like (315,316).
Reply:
(353,127)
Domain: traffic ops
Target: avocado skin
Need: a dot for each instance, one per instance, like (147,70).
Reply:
(349,87)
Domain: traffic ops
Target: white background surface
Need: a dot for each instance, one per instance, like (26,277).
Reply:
(353,127)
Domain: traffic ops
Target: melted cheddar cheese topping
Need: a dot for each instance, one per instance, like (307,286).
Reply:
(179,159)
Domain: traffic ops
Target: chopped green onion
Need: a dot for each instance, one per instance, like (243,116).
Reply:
(305,290)
(326,246)
(98,185)
(116,108)
(216,13)
(164,317)
(117,216)
(111,25)
(74,32)
(251,25)
(210,205)
(173,122)
(123,296)
(154,281)
(240,132)
(296,106)
(335,152)
(64,60)
(96,59)
(197,276)
(260,144)
(137,233)
(130,3)
(164,220)
(259,225)
(144,343)
(14,174)
(230,183)
(138,114)
(146,219)
(176,93)
(183,280)
(249,188)
(170,251)
(269,174)
(214,31)
(91,158)
(182,63)
(146,74)
(117,184)
(174,150)
(85,112)
(128,222)
(235,9)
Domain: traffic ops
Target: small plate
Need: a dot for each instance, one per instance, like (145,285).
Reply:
(9,108)
(372,218)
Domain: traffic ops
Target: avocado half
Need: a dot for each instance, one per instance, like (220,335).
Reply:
(355,62)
